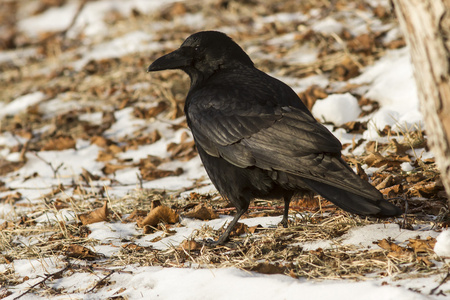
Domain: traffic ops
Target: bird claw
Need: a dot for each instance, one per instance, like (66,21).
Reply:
(209,243)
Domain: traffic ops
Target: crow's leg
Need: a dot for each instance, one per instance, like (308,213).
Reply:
(224,237)
(287,200)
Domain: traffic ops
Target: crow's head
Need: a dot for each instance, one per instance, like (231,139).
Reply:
(202,54)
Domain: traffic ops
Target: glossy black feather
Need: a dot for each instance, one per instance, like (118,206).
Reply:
(255,137)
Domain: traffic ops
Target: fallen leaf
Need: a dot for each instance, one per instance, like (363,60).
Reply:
(80,252)
(136,216)
(363,43)
(392,191)
(11,198)
(254,228)
(183,151)
(202,212)
(239,228)
(311,95)
(190,245)
(59,143)
(133,247)
(98,215)
(7,166)
(425,260)
(345,70)
(111,168)
(88,176)
(160,214)
(151,174)
(268,268)
(104,156)
(422,246)
(396,251)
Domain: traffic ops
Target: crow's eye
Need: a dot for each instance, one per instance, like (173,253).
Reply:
(196,47)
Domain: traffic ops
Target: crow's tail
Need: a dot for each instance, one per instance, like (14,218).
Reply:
(354,203)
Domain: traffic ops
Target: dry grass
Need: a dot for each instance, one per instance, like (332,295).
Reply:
(106,86)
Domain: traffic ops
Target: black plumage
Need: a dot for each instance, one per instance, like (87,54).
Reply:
(256,138)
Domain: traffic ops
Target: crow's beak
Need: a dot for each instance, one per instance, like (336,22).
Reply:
(174,60)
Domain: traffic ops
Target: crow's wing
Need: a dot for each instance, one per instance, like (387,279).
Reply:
(286,139)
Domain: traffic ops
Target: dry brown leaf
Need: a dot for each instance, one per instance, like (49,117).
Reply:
(98,215)
(160,214)
(60,204)
(239,228)
(151,174)
(80,252)
(396,251)
(268,268)
(392,191)
(254,228)
(345,70)
(59,143)
(133,247)
(363,43)
(7,166)
(11,198)
(136,216)
(110,168)
(311,94)
(155,204)
(144,113)
(425,261)
(390,246)
(375,159)
(144,140)
(399,149)
(354,126)
(385,183)
(88,176)
(422,246)
(104,156)
(114,149)
(202,212)
(190,245)
(100,141)
(183,151)
(424,189)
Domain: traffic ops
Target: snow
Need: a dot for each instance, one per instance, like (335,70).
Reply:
(337,108)
(90,20)
(364,236)
(389,81)
(406,166)
(135,282)
(153,282)
(328,26)
(285,18)
(442,247)
(129,43)
(20,104)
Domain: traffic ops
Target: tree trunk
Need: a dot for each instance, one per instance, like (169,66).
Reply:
(426,26)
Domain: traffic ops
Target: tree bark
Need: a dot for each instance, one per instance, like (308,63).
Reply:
(426,26)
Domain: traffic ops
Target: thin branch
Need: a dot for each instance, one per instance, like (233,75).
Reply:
(47,277)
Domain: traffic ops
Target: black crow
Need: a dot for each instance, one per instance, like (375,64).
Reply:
(256,138)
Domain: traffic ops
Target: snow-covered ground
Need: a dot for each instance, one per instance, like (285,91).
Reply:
(388,81)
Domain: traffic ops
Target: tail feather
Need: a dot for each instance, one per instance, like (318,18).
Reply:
(354,203)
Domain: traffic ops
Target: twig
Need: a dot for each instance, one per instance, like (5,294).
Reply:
(74,19)
(47,276)
(55,170)
(140,179)
(101,281)
(447,277)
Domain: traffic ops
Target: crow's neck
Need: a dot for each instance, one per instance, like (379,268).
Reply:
(198,78)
